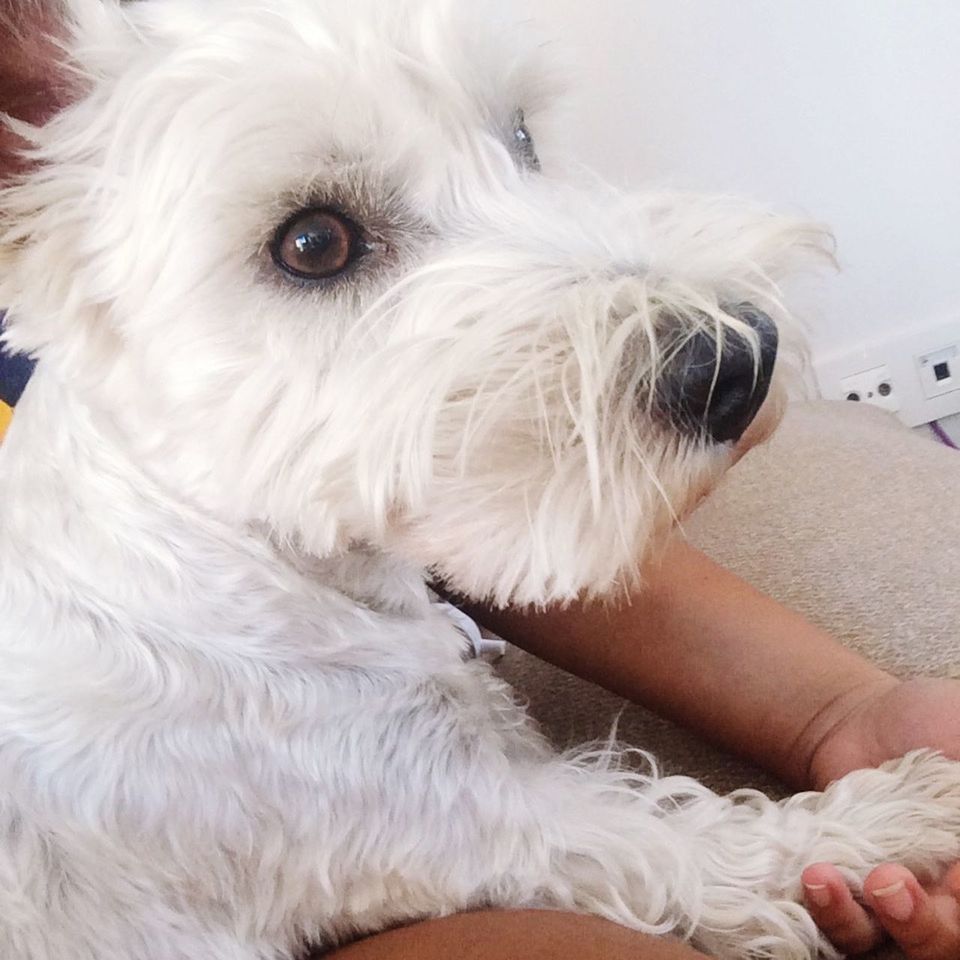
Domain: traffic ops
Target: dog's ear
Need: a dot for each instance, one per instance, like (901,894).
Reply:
(37,77)
(52,52)
(33,84)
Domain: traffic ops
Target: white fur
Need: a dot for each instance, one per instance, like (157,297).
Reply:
(230,719)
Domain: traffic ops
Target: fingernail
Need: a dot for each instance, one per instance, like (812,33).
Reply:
(895,901)
(818,894)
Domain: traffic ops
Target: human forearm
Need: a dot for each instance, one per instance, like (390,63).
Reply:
(701,646)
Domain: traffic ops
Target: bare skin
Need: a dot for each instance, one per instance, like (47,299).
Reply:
(532,935)
(704,648)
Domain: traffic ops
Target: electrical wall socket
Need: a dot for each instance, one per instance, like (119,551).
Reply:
(915,373)
(874,386)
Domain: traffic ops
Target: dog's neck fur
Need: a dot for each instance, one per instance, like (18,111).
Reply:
(87,533)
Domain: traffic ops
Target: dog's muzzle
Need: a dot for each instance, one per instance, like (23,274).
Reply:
(714,389)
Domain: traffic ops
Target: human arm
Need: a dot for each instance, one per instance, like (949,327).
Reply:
(699,645)
(704,648)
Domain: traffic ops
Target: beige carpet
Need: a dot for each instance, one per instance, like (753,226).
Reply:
(846,516)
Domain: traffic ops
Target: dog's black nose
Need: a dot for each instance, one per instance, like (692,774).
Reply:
(714,389)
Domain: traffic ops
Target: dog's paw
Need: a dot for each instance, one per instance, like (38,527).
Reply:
(760,929)
(905,812)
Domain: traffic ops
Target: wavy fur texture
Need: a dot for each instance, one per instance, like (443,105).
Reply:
(231,721)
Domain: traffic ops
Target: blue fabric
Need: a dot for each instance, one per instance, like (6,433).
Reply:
(15,370)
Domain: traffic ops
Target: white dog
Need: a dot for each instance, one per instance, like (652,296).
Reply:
(311,322)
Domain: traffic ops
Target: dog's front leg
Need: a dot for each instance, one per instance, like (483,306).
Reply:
(668,855)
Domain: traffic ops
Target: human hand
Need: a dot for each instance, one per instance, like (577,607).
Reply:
(923,919)
(889,721)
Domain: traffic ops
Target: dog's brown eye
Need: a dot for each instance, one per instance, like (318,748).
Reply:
(316,244)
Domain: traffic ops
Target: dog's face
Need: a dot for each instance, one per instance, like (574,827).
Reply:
(306,256)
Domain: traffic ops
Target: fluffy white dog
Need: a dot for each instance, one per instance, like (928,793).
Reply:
(310,322)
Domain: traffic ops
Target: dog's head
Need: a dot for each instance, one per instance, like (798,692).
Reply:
(304,255)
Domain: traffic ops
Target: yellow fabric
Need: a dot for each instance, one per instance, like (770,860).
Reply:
(5,414)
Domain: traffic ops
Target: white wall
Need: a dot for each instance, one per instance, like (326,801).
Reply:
(848,110)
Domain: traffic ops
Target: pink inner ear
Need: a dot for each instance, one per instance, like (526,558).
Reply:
(31,87)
